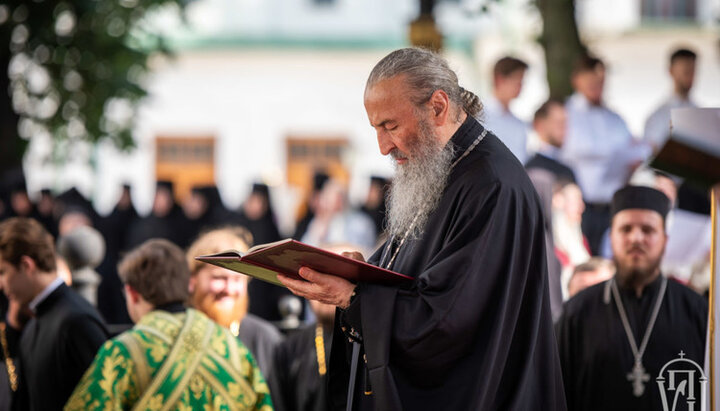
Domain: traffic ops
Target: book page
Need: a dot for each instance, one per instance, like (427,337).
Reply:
(251,270)
(267,245)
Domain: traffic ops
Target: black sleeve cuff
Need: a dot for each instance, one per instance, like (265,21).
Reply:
(350,318)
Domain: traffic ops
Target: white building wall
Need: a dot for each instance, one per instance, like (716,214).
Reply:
(251,98)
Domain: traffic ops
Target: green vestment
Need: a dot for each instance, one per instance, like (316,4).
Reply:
(180,361)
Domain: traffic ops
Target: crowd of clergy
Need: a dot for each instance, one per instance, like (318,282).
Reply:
(113,311)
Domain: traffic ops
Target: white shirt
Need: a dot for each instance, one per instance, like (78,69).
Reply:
(45,293)
(509,129)
(599,148)
(657,126)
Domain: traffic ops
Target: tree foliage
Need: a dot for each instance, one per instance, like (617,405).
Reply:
(75,69)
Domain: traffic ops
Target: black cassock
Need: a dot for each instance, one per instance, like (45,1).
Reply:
(595,353)
(473,331)
(296,383)
(56,348)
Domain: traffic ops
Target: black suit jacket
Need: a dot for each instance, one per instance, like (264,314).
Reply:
(57,346)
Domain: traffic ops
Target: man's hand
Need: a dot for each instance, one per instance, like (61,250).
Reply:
(326,288)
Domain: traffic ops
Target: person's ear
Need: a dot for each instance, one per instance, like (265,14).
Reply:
(27,265)
(132,294)
(440,105)
(191,284)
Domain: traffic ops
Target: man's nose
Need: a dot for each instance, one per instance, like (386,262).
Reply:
(636,235)
(384,142)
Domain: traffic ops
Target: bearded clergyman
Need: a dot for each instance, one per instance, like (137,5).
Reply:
(616,337)
(473,330)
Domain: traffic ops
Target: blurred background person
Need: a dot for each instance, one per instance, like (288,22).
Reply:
(682,72)
(299,379)
(374,205)
(223,295)
(115,228)
(257,215)
(571,246)
(44,207)
(319,180)
(593,271)
(598,147)
(175,357)
(550,126)
(508,74)
(164,220)
(203,210)
(335,222)
(544,182)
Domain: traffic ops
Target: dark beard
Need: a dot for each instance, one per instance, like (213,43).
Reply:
(418,184)
(634,277)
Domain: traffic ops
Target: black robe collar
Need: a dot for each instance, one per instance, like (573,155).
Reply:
(649,290)
(468,132)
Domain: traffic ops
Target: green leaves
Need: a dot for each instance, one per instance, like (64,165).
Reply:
(77,68)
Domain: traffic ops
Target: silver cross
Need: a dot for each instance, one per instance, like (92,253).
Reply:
(638,376)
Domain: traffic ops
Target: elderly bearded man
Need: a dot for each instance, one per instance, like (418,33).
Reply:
(473,330)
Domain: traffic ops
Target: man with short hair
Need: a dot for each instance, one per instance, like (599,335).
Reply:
(174,358)
(508,75)
(589,273)
(598,147)
(616,336)
(222,294)
(59,343)
(682,72)
(473,329)
(550,125)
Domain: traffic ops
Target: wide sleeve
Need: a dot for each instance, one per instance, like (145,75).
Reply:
(109,382)
(483,288)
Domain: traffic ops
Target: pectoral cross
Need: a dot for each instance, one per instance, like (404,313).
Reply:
(638,376)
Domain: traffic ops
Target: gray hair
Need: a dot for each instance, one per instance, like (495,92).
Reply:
(425,73)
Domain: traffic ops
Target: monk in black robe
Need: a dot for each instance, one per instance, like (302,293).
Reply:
(616,337)
(473,329)
(164,221)
(299,378)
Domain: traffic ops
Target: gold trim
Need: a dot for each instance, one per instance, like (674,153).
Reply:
(234,373)
(9,364)
(199,353)
(156,333)
(166,367)
(713,283)
(320,349)
(233,352)
(218,387)
(142,369)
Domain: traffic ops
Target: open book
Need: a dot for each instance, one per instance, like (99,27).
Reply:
(265,261)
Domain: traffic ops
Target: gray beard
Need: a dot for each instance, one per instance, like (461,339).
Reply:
(418,184)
